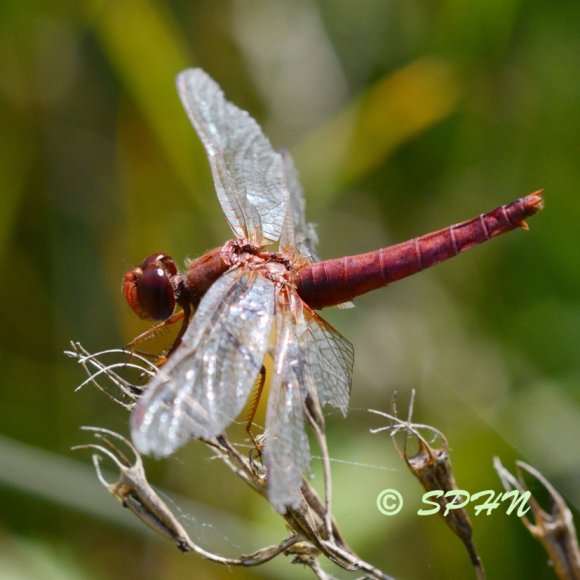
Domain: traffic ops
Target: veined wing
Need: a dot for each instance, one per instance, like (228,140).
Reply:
(286,449)
(330,357)
(248,173)
(311,359)
(297,232)
(207,380)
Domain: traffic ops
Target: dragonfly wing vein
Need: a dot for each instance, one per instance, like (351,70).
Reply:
(297,232)
(207,380)
(248,173)
(331,359)
(286,451)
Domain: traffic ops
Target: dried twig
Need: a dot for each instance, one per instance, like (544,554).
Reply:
(136,494)
(554,530)
(315,531)
(432,467)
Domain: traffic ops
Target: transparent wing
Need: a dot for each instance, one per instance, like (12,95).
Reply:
(311,359)
(286,449)
(207,380)
(297,232)
(330,358)
(248,173)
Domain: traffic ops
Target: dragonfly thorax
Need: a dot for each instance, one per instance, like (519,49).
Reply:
(201,273)
(273,265)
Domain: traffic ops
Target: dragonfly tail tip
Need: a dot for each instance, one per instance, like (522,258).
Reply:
(536,200)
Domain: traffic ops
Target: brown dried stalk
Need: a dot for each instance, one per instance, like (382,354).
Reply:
(432,467)
(554,530)
(315,532)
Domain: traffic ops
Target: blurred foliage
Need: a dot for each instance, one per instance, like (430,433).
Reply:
(403,117)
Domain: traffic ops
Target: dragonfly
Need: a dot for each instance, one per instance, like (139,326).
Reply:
(256,296)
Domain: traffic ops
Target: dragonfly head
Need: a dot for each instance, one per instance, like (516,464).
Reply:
(149,289)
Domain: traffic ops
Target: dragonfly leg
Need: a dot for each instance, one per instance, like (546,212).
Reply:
(156,329)
(186,313)
(161,359)
(158,359)
(260,382)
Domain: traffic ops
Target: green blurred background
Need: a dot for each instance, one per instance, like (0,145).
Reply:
(403,117)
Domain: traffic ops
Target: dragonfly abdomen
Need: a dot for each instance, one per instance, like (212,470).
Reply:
(335,281)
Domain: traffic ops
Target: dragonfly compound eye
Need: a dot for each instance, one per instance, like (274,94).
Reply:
(148,289)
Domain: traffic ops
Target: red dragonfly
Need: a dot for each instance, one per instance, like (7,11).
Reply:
(242,292)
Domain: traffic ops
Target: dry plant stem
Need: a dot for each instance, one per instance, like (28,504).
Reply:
(318,427)
(315,534)
(135,493)
(432,467)
(554,530)
(318,571)
(95,369)
(236,462)
(307,521)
